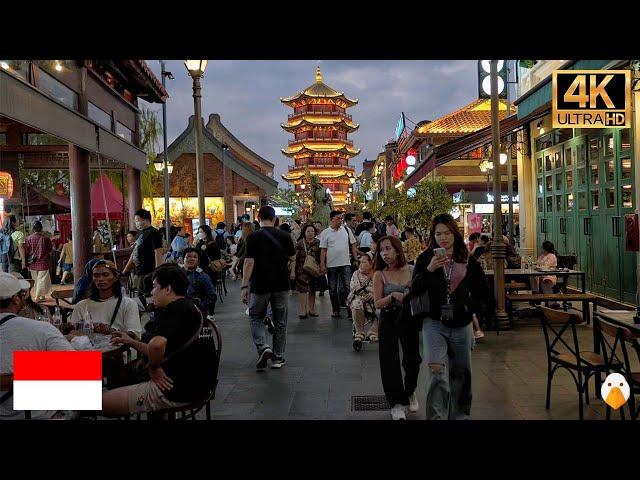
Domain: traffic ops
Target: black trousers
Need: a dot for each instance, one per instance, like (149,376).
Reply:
(397,328)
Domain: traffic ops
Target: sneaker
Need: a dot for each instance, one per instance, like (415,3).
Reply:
(357,344)
(277,362)
(413,403)
(268,321)
(398,413)
(264,357)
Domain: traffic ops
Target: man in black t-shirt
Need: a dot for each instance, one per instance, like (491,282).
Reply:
(269,256)
(147,251)
(182,367)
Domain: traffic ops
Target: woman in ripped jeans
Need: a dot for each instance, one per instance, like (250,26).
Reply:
(457,287)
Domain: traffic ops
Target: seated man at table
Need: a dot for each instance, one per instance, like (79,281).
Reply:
(181,367)
(20,333)
(108,309)
(200,286)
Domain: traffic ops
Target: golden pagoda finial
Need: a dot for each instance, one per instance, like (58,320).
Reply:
(318,75)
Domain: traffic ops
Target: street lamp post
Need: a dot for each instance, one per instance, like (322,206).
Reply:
(165,172)
(196,69)
(498,248)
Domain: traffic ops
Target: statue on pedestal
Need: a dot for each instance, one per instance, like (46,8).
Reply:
(321,202)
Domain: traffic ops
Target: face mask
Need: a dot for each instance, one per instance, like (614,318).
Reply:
(202,236)
(139,225)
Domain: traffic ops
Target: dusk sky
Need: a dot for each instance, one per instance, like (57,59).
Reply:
(247,95)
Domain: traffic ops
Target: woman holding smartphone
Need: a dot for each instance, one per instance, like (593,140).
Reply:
(391,285)
(457,286)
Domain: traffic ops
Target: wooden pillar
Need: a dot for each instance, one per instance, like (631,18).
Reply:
(135,193)
(228,201)
(80,208)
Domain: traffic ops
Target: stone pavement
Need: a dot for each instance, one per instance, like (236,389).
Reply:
(323,372)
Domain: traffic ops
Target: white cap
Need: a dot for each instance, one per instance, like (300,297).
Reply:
(10,285)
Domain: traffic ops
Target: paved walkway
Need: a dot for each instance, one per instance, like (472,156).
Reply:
(323,372)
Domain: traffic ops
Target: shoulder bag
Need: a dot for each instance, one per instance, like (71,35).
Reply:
(310,264)
(420,304)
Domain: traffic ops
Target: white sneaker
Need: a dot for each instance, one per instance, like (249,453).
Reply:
(398,412)
(413,403)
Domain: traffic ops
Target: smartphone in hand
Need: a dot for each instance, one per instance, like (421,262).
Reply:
(440,252)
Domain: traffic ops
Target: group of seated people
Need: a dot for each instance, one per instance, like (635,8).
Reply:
(174,366)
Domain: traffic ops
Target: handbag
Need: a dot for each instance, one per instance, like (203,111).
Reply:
(420,304)
(310,264)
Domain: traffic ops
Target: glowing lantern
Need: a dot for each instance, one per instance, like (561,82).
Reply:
(59,189)
(6,185)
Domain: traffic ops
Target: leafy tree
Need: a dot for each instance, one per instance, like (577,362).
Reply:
(150,133)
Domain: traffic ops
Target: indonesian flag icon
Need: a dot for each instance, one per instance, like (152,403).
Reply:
(57,380)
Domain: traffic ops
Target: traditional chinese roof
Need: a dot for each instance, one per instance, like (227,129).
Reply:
(324,175)
(320,120)
(150,87)
(319,89)
(321,148)
(470,118)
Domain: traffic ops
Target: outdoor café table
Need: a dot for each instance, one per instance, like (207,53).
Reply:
(110,352)
(622,318)
(511,272)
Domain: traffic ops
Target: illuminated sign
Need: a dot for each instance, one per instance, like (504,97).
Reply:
(484,78)
(591,99)
(400,126)
(504,198)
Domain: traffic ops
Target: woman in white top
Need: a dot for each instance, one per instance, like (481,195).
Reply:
(365,239)
(107,309)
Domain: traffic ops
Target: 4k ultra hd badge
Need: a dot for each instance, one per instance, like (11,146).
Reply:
(591,98)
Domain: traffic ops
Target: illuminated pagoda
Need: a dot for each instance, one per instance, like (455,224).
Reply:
(320,125)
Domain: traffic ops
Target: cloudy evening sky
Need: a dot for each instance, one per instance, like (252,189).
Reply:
(247,94)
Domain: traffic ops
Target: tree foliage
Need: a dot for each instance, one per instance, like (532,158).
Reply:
(150,133)
(431,198)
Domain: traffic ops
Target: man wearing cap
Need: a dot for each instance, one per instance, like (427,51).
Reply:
(20,333)
(107,308)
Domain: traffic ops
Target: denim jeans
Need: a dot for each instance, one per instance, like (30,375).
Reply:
(449,391)
(258,310)
(344,274)
(4,262)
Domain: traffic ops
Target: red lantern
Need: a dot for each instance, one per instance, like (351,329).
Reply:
(59,189)
(403,163)
(413,152)
(6,185)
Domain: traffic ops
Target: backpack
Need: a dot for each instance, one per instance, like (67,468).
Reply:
(220,241)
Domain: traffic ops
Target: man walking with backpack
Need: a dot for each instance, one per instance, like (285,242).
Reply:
(269,256)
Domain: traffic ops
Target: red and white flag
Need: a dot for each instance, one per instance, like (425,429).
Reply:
(57,380)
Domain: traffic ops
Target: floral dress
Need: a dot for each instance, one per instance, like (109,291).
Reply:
(305,282)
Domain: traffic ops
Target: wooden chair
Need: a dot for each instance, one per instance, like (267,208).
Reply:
(6,390)
(189,412)
(613,341)
(566,353)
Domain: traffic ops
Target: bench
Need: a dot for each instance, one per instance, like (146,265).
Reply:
(585,298)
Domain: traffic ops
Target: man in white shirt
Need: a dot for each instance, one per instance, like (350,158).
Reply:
(20,334)
(336,243)
(108,309)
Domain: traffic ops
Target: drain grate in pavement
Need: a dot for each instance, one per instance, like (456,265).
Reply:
(369,402)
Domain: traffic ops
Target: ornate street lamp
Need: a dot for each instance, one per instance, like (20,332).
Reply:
(196,69)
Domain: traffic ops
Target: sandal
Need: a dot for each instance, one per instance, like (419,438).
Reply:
(313,314)
(373,338)
(479,334)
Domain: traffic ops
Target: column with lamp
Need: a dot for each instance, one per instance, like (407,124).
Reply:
(196,70)
(166,168)
(224,147)
(498,248)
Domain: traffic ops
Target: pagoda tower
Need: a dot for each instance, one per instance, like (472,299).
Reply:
(320,125)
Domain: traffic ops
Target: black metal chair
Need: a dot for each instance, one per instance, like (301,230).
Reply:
(566,353)
(189,412)
(613,341)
